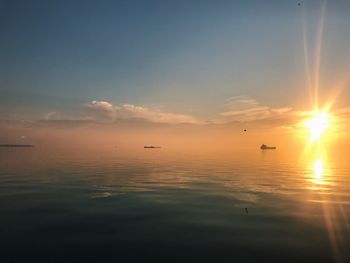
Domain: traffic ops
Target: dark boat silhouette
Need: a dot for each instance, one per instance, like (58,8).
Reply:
(151,147)
(16,145)
(265,147)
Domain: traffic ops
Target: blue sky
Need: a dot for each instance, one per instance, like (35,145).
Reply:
(184,57)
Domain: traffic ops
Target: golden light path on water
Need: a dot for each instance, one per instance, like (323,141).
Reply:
(318,170)
(324,187)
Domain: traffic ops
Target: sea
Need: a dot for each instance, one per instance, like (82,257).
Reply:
(162,205)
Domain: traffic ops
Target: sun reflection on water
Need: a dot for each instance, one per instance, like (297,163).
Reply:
(318,169)
(318,176)
(319,172)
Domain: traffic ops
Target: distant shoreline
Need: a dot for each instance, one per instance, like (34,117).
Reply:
(16,145)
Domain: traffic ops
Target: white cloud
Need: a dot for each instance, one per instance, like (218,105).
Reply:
(101,105)
(102,109)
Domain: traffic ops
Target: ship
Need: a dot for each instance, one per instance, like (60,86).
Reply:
(16,145)
(151,147)
(265,147)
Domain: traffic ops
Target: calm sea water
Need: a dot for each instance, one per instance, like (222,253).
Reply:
(159,205)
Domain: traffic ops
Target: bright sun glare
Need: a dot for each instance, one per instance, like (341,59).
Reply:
(318,124)
(318,169)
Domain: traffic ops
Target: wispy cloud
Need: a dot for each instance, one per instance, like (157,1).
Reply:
(53,115)
(236,109)
(155,115)
(103,110)
(243,109)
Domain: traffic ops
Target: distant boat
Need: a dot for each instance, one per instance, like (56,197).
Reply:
(151,147)
(16,145)
(265,147)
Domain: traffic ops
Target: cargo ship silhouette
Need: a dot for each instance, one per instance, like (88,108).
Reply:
(265,147)
(16,145)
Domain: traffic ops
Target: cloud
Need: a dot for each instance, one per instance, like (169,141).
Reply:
(243,109)
(345,112)
(342,116)
(101,106)
(237,109)
(52,116)
(154,115)
(103,110)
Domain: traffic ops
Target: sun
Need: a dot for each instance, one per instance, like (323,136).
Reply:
(318,124)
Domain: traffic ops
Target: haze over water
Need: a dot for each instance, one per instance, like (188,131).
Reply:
(168,205)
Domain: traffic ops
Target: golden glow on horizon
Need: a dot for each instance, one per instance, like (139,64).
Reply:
(318,125)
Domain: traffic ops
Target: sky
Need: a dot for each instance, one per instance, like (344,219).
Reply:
(172,62)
